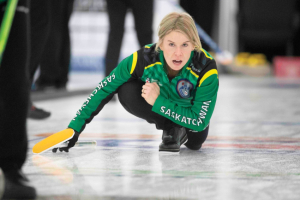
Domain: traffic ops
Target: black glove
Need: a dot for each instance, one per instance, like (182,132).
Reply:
(70,143)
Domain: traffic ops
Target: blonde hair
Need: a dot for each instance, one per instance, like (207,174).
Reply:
(181,22)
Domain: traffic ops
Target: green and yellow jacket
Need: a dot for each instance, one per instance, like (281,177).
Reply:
(188,99)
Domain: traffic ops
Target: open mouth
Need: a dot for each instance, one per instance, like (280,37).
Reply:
(177,62)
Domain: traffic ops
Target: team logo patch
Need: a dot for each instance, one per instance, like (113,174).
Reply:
(184,88)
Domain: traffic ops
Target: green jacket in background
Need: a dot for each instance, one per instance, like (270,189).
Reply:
(188,99)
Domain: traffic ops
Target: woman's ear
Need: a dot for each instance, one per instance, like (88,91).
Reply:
(160,44)
(160,47)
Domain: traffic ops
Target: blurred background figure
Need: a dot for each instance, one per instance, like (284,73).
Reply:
(50,47)
(267,26)
(54,65)
(143,19)
(40,21)
(203,13)
(14,96)
(297,35)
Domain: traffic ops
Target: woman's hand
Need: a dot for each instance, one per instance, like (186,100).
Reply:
(68,144)
(150,92)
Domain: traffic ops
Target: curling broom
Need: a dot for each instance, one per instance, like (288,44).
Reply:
(58,140)
(6,24)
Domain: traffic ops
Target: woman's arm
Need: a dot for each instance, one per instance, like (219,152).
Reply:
(103,92)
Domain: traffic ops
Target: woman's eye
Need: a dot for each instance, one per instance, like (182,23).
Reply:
(185,45)
(171,44)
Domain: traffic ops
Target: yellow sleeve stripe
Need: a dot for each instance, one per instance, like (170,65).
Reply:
(147,47)
(208,74)
(134,61)
(188,68)
(207,56)
(157,63)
